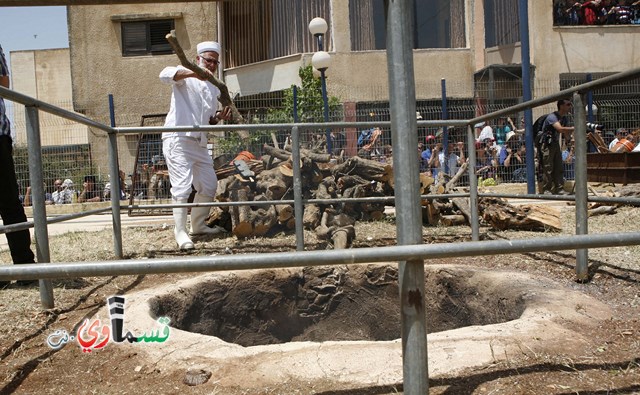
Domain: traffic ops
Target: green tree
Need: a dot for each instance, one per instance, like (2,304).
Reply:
(310,109)
(310,103)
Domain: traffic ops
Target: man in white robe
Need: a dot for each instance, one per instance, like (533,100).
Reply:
(194,102)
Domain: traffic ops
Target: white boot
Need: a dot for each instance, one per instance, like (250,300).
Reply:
(199,216)
(180,231)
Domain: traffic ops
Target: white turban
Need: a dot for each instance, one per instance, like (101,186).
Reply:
(208,46)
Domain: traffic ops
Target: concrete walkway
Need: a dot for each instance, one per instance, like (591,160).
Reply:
(94,223)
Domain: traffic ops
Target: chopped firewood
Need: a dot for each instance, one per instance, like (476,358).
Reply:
(263,220)
(225,185)
(311,217)
(602,210)
(285,213)
(454,180)
(275,152)
(274,183)
(284,154)
(463,205)
(349,181)
(451,220)
(501,215)
(245,220)
(365,168)
(430,214)
(342,237)
(219,216)
(241,216)
(425,182)
(327,189)
(337,227)
(372,215)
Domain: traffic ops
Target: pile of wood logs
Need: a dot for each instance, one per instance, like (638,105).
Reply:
(354,178)
(596,208)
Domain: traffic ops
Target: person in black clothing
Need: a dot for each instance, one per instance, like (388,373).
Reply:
(11,209)
(554,125)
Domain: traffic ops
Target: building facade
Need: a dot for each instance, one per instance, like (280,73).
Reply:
(474,46)
(46,76)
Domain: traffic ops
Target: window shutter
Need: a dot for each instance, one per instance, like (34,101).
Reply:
(134,38)
(158,31)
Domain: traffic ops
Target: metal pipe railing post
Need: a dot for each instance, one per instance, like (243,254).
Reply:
(114,174)
(297,188)
(445,130)
(325,101)
(580,166)
(34,149)
(115,195)
(402,105)
(523,16)
(473,185)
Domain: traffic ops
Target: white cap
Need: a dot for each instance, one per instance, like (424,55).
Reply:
(208,46)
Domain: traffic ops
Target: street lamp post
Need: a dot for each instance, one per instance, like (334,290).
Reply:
(318,27)
(320,61)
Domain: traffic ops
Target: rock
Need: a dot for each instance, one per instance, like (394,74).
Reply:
(195,377)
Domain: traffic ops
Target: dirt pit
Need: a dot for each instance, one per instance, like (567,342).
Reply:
(268,327)
(328,304)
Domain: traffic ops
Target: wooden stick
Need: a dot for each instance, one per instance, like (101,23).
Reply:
(224,98)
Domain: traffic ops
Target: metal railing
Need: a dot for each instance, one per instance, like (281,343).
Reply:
(412,253)
(39,214)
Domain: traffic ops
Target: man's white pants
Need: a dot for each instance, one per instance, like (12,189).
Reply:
(189,164)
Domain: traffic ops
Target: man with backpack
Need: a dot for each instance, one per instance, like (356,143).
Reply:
(548,141)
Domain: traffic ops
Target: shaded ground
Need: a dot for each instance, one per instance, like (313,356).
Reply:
(319,304)
(608,363)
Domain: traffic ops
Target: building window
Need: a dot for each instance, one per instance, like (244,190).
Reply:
(259,30)
(146,37)
(501,22)
(437,24)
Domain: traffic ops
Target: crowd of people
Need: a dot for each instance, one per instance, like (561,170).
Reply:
(501,151)
(63,192)
(596,12)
